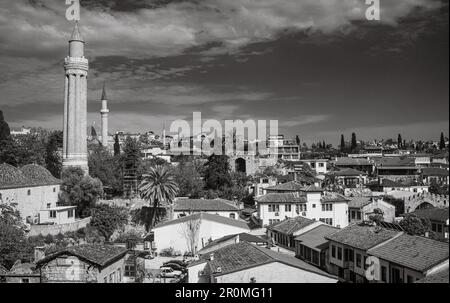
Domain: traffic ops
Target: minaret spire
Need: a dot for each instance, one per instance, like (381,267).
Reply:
(104,114)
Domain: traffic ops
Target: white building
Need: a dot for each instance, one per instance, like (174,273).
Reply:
(184,207)
(289,200)
(256,265)
(192,233)
(318,165)
(34,190)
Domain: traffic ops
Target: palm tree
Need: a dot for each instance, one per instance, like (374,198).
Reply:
(159,188)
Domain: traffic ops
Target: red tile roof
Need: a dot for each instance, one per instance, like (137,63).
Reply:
(99,255)
(415,252)
(315,238)
(206,216)
(244,255)
(282,198)
(291,225)
(362,236)
(204,205)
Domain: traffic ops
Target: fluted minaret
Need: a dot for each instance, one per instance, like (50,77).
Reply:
(104,112)
(75,104)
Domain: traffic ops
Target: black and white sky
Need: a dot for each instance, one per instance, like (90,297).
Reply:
(318,66)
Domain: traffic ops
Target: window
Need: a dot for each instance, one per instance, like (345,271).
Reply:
(70,213)
(119,275)
(383,273)
(314,205)
(439,228)
(274,208)
(333,251)
(353,214)
(111,277)
(29,192)
(339,251)
(358,260)
(49,205)
(433,226)
(52,214)
(315,257)
(302,207)
(232,216)
(54,189)
(409,279)
(323,207)
(321,164)
(25,280)
(365,263)
(105,280)
(358,215)
(287,207)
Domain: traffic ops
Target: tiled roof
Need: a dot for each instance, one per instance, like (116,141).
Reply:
(415,252)
(100,255)
(332,197)
(11,176)
(23,269)
(242,237)
(28,175)
(312,188)
(347,172)
(434,171)
(288,186)
(204,205)
(206,216)
(359,202)
(362,236)
(291,225)
(437,277)
(396,162)
(315,238)
(282,198)
(244,255)
(3,270)
(433,213)
(351,162)
(39,175)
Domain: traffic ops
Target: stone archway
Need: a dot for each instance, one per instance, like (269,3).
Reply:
(424,205)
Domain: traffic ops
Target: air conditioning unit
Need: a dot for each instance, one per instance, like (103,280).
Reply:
(277,214)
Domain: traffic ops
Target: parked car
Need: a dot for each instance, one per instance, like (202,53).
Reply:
(174,266)
(167,272)
(179,262)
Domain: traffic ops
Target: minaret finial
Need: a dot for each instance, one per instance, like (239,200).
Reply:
(104,96)
(76,34)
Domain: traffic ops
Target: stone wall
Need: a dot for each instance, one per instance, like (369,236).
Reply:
(60,228)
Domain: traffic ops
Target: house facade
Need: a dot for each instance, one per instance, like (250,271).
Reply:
(193,232)
(88,263)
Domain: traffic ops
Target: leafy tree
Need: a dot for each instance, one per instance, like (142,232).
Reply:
(354,143)
(442,142)
(107,168)
(52,159)
(108,219)
(131,237)
(131,150)
(342,146)
(398,203)
(159,188)
(188,176)
(217,172)
(80,190)
(5,132)
(414,225)
(148,215)
(13,245)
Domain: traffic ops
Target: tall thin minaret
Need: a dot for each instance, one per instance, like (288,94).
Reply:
(75,104)
(104,112)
